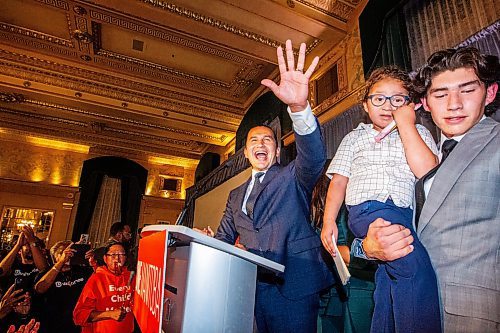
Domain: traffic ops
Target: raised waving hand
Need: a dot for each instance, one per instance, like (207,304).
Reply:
(293,88)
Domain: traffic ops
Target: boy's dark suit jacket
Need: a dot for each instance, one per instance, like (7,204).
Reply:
(281,230)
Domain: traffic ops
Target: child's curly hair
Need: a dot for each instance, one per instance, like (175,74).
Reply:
(393,72)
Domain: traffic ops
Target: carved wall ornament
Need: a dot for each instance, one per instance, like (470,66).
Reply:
(336,9)
(80,10)
(11,98)
(97,127)
(82,36)
(340,61)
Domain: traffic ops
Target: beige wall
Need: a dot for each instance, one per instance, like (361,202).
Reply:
(44,174)
(25,161)
(154,210)
(210,206)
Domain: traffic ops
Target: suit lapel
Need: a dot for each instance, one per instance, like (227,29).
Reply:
(270,174)
(447,175)
(240,196)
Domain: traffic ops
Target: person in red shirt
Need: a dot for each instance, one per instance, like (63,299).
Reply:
(105,304)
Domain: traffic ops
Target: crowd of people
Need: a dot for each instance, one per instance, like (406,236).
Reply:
(51,291)
(437,257)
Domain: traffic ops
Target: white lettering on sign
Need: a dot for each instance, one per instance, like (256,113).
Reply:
(148,286)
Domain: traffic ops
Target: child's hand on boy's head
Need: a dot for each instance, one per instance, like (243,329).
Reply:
(405,115)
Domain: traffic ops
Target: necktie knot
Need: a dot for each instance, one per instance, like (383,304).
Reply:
(447,147)
(257,177)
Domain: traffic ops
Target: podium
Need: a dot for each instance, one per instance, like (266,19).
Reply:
(209,285)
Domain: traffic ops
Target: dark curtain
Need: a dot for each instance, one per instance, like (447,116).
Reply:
(208,162)
(90,184)
(384,41)
(131,192)
(337,128)
(133,179)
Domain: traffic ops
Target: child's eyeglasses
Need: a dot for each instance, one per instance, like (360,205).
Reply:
(116,255)
(395,100)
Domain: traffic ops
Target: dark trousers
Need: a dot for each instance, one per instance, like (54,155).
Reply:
(351,316)
(276,314)
(406,295)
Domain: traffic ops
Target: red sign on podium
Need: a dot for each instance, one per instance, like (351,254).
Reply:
(148,295)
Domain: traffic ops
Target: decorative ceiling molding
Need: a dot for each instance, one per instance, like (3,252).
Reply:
(124,120)
(110,79)
(35,44)
(213,22)
(55,3)
(130,95)
(36,34)
(166,36)
(76,72)
(174,77)
(11,98)
(213,84)
(41,125)
(336,9)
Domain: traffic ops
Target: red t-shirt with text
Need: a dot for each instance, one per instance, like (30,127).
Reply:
(105,291)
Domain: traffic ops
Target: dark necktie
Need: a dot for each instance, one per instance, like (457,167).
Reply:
(253,195)
(446,149)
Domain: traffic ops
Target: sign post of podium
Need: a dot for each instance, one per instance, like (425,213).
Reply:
(188,282)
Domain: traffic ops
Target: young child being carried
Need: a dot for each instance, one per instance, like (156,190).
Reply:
(377,179)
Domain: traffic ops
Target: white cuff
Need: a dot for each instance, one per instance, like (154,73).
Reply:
(304,122)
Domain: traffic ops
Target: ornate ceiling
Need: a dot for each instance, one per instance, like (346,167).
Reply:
(167,79)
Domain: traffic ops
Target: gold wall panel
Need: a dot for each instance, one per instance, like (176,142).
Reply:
(23,161)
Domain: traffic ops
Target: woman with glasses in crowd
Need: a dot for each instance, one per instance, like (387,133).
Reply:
(106,300)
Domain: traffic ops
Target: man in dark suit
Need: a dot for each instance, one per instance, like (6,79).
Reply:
(270,213)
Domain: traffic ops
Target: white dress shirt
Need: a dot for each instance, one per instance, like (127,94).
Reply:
(428,182)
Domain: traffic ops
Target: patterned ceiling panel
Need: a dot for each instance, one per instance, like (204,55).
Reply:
(168,78)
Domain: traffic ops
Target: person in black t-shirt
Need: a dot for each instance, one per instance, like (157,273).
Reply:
(61,286)
(19,268)
(23,269)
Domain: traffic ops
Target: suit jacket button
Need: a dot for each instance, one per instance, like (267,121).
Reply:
(257,229)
